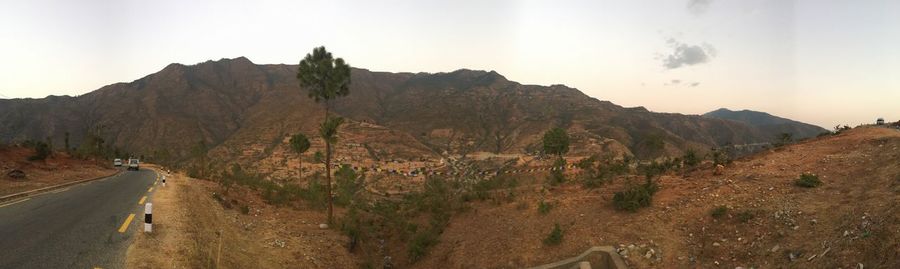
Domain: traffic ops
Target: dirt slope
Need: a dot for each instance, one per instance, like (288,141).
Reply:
(57,169)
(194,230)
(852,218)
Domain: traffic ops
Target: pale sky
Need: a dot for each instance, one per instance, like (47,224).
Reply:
(822,62)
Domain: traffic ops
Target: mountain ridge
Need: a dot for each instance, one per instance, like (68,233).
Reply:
(242,109)
(771,124)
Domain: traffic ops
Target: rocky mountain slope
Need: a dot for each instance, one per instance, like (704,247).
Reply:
(772,125)
(244,111)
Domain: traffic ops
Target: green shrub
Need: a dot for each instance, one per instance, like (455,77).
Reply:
(745,216)
(349,183)
(555,237)
(556,177)
(314,193)
(245,209)
(421,243)
(41,151)
(690,158)
(718,212)
(635,196)
(544,207)
(808,181)
(652,169)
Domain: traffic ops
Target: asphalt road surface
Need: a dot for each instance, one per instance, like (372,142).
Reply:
(78,226)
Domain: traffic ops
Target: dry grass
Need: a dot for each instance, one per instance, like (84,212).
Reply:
(192,230)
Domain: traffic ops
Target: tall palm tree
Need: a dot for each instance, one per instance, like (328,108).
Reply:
(326,78)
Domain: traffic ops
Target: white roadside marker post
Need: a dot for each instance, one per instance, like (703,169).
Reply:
(164,180)
(148,217)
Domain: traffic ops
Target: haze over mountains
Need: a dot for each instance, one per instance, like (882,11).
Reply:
(766,122)
(239,108)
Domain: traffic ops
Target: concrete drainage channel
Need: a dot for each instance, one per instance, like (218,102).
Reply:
(604,257)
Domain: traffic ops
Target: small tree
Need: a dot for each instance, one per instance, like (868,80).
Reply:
(556,142)
(326,78)
(783,139)
(690,158)
(349,184)
(41,151)
(66,141)
(300,144)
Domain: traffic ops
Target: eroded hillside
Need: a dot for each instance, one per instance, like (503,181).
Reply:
(768,222)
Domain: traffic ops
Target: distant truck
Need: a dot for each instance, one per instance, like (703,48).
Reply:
(133,164)
(879,121)
(117,162)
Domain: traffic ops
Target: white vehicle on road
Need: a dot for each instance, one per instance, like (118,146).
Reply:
(117,162)
(133,164)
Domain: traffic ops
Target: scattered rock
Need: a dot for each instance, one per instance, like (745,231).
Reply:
(323,226)
(719,170)
(775,248)
(16,174)
(277,243)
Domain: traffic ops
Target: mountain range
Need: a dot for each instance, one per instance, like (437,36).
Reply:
(772,125)
(243,111)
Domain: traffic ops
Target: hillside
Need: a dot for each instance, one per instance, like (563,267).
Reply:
(767,123)
(765,221)
(242,111)
(851,218)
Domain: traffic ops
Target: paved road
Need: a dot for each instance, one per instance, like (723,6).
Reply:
(77,227)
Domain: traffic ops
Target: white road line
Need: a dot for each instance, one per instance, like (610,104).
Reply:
(16,202)
(60,190)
